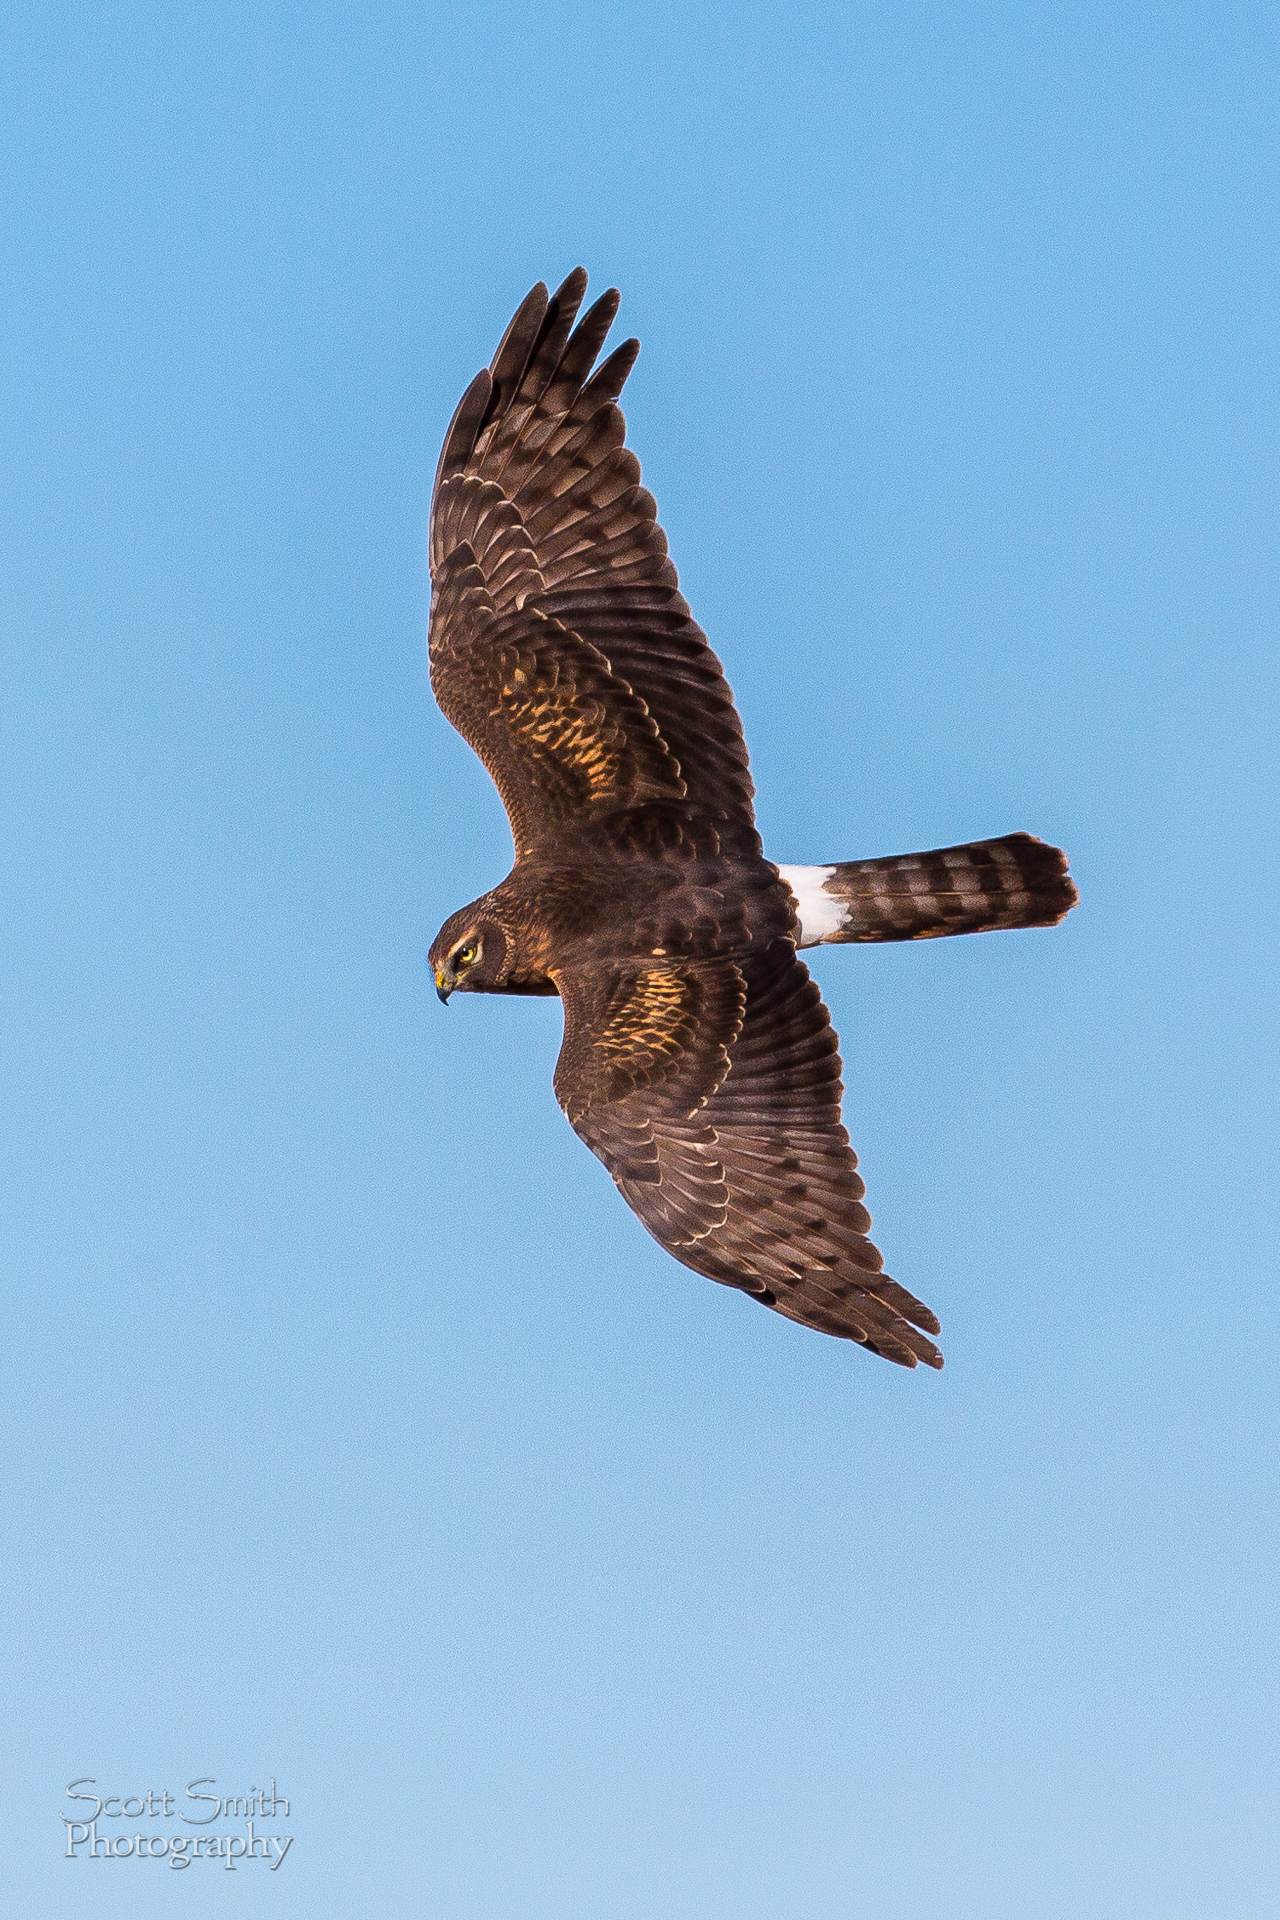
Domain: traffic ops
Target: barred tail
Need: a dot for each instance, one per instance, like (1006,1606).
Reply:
(1014,882)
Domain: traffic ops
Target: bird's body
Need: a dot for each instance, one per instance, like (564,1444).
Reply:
(693,888)
(699,1061)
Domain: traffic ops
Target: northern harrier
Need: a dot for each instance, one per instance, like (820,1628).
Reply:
(698,1060)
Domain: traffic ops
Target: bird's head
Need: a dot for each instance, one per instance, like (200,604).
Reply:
(470,953)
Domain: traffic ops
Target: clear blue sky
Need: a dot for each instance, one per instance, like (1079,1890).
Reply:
(354,1432)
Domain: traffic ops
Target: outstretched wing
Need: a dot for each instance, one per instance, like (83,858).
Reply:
(711,1091)
(561,647)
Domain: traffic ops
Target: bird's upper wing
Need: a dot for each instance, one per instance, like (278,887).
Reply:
(561,647)
(711,1091)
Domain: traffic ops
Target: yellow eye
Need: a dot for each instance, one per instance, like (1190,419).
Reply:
(464,956)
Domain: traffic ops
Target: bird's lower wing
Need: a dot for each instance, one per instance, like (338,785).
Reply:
(711,1091)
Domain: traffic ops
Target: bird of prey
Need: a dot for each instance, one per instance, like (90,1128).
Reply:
(698,1061)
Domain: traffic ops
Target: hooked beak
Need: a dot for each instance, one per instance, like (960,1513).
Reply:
(443,986)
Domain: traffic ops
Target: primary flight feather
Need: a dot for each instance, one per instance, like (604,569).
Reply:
(698,1061)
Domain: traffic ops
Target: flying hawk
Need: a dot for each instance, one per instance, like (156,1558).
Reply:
(698,1061)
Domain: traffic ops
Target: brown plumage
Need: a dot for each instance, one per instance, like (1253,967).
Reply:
(698,1061)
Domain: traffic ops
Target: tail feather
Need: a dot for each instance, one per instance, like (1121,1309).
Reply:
(1017,881)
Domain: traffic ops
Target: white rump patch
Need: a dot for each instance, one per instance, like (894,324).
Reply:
(820,913)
